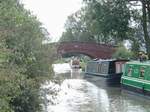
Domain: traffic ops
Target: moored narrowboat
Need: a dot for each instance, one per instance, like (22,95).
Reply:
(75,63)
(136,77)
(109,70)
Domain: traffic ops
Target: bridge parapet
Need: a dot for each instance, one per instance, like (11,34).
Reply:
(94,50)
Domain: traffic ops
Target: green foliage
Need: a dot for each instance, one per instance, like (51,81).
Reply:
(28,100)
(24,61)
(122,53)
(18,93)
(99,21)
(83,61)
(76,29)
(135,49)
(109,19)
(62,60)
(82,65)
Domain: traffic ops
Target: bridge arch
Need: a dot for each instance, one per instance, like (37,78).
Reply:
(76,53)
(93,50)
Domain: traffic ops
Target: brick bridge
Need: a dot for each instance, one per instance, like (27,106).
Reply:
(93,50)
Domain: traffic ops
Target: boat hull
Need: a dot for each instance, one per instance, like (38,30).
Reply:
(135,90)
(110,79)
(136,85)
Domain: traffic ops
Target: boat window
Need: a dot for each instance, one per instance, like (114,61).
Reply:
(104,67)
(123,67)
(119,67)
(142,71)
(90,66)
(129,71)
(99,67)
(111,68)
(93,67)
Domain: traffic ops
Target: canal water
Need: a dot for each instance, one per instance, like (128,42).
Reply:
(77,92)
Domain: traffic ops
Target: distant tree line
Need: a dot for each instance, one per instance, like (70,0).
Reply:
(25,63)
(111,21)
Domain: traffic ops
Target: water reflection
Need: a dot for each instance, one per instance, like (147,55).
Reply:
(87,94)
(61,68)
(76,74)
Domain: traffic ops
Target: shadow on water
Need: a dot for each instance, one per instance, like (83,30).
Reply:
(120,100)
(101,83)
(72,74)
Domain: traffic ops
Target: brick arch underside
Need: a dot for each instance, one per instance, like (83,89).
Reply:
(79,52)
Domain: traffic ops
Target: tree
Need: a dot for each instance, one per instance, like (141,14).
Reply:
(122,53)
(102,22)
(108,20)
(75,29)
(24,61)
(146,12)
(145,20)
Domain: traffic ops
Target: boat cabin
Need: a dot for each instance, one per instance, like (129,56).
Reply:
(109,69)
(136,77)
(105,67)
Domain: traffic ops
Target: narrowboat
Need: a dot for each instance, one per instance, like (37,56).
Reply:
(75,63)
(109,70)
(136,77)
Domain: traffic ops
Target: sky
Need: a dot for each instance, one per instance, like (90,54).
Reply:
(53,13)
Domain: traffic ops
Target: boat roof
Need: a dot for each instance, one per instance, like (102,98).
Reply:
(139,63)
(108,60)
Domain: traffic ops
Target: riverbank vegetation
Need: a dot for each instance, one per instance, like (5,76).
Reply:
(123,53)
(25,62)
(111,22)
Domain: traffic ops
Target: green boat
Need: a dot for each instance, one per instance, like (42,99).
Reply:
(136,77)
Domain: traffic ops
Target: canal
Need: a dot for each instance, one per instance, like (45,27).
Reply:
(77,92)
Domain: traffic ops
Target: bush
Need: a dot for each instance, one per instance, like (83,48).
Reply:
(24,61)
(122,53)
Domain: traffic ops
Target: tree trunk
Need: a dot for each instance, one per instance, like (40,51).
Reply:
(148,9)
(146,36)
